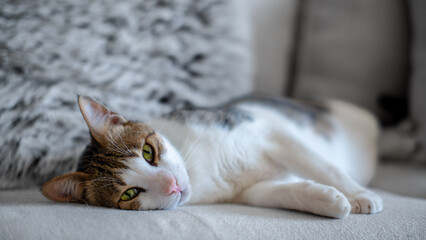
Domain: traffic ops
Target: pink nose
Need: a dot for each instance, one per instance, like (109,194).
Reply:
(172,187)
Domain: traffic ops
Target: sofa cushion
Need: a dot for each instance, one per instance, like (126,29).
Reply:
(402,178)
(28,215)
(418,81)
(354,50)
(141,58)
(273,33)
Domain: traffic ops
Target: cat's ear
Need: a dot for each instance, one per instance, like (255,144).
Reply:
(100,119)
(66,188)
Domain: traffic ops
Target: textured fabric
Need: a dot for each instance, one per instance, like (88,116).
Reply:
(27,215)
(401,178)
(273,23)
(418,81)
(353,50)
(141,58)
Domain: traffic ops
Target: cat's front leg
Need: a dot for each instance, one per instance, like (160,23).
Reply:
(306,196)
(361,199)
(303,162)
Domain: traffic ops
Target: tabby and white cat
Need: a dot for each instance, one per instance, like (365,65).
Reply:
(257,151)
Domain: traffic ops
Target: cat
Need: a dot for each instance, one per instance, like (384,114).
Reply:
(258,151)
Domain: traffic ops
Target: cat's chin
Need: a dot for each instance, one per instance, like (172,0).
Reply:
(185,195)
(182,198)
(177,200)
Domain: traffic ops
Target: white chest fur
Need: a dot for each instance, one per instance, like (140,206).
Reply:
(221,162)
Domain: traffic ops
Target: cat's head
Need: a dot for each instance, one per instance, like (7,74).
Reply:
(127,165)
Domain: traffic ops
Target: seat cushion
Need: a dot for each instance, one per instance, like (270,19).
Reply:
(401,178)
(26,214)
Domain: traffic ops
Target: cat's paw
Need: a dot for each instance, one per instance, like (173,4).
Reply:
(328,201)
(365,202)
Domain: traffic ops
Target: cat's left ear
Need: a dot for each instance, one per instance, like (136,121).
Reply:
(66,188)
(100,120)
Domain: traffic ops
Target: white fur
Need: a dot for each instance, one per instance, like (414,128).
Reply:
(272,160)
(155,179)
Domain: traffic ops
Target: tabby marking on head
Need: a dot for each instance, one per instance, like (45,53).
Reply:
(123,155)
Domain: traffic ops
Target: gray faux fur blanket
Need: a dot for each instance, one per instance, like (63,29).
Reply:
(142,58)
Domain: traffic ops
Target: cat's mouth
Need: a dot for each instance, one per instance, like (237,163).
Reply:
(184,195)
(178,198)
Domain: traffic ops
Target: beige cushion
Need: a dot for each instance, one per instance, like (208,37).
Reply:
(28,215)
(353,50)
(418,87)
(273,32)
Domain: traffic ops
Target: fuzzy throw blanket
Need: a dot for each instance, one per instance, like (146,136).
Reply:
(142,58)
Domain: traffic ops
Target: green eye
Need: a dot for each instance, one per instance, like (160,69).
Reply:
(129,194)
(147,153)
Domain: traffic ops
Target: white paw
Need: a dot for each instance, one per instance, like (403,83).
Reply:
(328,201)
(365,202)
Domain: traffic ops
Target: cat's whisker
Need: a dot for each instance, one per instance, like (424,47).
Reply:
(103,179)
(113,143)
(107,185)
(124,151)
(116,150)
(121,150)
(189,158)
(110,181)
(190,146)
(183,146)
(128,150)
(199,141)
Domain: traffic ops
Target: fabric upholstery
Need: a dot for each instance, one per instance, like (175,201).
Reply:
(273,32)
(352,50)
(27,215)
(402,178)
(418,80)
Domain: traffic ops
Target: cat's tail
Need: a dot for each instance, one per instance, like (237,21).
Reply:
(361,131)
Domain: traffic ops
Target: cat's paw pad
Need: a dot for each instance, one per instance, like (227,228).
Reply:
(366,202)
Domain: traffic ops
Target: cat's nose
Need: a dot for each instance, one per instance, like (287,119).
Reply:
(172,187)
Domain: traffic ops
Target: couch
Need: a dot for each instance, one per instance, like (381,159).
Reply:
(299,49)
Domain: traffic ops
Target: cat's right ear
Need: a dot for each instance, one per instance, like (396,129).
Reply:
(100,120)
(66,188)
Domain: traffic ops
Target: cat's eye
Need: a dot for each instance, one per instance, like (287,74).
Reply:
(130,193)
(148,153)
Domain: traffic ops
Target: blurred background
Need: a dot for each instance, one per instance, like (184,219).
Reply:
(146,58)
(371,53)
